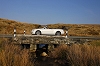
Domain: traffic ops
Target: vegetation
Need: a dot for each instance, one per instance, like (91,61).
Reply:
(79,29)
(7,27)
(95,43)
(74,55)
(12,55)
(77,55)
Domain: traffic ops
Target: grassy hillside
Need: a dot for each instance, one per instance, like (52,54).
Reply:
(7,26)
(79,29)
(74,55)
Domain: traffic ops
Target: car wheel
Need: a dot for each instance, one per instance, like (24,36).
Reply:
(38,32)
(58,33)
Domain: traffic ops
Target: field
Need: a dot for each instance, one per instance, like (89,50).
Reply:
(75,55)
(63,55)
(7,27)
(12,55)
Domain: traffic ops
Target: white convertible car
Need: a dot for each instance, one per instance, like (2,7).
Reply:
(46,31)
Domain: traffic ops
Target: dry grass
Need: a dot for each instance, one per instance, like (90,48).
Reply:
(77,55)
(95,43)
(12,55)
(74,55)
(7,26)
(80,29)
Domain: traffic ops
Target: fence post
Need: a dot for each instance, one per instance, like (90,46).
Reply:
(24,31)
(14,32)
(66,33)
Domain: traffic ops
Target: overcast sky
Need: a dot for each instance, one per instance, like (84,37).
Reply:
(51,11)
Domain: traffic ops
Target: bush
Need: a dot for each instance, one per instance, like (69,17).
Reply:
(12,55)
(77,55)
(93,32)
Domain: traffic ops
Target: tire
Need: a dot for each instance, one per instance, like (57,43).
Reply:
(38,32)
(58,33)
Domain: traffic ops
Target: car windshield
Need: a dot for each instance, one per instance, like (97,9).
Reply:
(44,27)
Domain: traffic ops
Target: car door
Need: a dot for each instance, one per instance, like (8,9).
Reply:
(47,31)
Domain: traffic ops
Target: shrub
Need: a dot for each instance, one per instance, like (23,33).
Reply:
(77,55)
(93,32)
(12,55)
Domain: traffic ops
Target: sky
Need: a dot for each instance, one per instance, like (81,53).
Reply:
(51,11)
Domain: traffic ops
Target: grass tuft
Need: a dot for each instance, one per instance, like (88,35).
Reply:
(77,55)
(12,55)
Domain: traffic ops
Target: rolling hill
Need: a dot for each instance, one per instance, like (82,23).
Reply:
(7,26)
